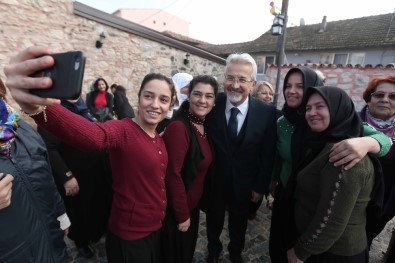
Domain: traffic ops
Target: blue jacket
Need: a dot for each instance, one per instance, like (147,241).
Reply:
(29,229)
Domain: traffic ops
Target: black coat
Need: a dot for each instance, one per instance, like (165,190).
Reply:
(248,165)
(29,228)
(89,209)
(122,107)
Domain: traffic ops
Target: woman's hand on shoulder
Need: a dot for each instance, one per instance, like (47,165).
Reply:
(19,80)
(349,152)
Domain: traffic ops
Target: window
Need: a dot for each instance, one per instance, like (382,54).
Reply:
(269,60)
(326,58)
(262,62)
(342,58)
(356,58)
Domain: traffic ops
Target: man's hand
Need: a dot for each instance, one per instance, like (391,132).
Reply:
(183,227)
(71,187)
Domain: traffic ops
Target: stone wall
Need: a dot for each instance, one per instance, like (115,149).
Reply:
(352,79)
(124,58)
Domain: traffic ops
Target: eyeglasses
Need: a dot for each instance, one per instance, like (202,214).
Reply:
(381,95)
(264,93)
(231,79)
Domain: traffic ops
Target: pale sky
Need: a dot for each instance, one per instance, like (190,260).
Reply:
(234,21)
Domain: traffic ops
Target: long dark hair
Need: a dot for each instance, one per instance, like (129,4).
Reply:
(158,76)
(96,84)
(205,79)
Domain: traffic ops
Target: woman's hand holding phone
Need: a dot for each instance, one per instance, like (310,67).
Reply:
(66,74)
(20,82)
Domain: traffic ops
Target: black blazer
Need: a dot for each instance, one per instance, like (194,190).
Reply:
(249,165)
(122,107)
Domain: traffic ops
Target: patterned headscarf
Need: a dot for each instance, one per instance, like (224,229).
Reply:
(385,126)
(8,124)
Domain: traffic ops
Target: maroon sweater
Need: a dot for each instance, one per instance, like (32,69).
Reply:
(138,165)
(177,144)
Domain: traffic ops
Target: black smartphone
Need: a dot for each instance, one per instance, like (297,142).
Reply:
(67,74)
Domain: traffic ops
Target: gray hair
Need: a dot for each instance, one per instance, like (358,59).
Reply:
(243,58)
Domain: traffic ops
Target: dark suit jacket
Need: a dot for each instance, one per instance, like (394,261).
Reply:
(122,107)
(248,166)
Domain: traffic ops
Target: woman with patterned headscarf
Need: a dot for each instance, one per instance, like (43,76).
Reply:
(380,113)
(34,221)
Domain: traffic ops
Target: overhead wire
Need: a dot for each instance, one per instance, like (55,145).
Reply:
(159,11)
(176,15)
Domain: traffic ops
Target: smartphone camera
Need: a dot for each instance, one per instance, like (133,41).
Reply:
(77,63)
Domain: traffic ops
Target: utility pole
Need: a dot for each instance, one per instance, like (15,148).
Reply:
(280,49)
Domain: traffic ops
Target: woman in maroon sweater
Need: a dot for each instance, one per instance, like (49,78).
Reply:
(137,153)
(190,157)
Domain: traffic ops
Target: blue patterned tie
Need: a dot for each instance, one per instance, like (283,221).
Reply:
(232,125)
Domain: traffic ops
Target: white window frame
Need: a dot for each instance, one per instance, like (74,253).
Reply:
(328,58)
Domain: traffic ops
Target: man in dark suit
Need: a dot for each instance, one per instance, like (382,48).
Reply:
(244,141)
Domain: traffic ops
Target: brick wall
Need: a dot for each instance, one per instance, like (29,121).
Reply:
(352,79)
(126,58)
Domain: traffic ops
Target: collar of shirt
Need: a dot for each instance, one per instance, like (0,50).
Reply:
(243,108)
